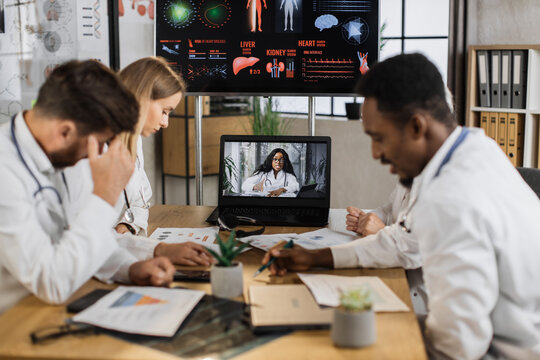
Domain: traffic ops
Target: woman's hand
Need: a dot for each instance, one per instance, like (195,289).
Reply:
(259,186)
(189,253)
(277,192)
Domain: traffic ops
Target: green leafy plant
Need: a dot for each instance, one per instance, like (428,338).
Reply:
(231,172)
(229,249)
(383,39)
(356,300)
(265,120)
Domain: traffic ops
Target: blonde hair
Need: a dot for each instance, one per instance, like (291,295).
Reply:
(149,78)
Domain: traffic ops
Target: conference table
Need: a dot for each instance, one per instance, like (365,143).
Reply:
(398,333)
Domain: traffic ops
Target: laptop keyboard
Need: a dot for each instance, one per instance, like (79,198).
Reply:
(277,212)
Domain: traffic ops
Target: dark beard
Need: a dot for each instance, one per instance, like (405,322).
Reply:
(407,182)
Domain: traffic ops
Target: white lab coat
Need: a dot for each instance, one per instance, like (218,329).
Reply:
(36,254)
(139,193)
(478,227)
(389,247)
(283,180)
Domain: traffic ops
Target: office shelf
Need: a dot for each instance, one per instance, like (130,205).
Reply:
(531,112)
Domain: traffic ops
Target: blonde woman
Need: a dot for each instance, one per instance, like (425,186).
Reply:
(158,90)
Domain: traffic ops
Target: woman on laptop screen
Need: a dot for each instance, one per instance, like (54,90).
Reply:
(275,176)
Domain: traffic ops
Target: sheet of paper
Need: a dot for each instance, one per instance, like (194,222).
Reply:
(204,236)
(265,242)
(326,290)
(328,237)
(142,310)
(201,236)
(318,239)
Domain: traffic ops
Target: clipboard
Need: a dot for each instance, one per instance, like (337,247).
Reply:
(286,307)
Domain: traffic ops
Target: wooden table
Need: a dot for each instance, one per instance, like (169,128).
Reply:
(398,334)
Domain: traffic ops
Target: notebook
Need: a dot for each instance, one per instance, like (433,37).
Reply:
(278,180)
(281,307)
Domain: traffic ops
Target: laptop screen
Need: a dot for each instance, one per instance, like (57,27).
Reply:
(275,170)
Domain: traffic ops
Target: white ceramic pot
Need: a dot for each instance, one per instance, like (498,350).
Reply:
(227,281)
(353,329)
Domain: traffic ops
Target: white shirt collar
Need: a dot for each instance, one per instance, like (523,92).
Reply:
(30,147)
(433,165)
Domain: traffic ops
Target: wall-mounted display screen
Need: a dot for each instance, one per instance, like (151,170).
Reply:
(268,46)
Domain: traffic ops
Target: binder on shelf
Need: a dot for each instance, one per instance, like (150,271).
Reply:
(506,79)
(519,78)
(515,138)
(495,85)
(483,78)
(493,125)
(502,132)
(484,122)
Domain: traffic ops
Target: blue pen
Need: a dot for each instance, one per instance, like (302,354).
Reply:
(288,245)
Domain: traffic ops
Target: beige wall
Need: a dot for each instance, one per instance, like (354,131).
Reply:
(503,22)
(356,179)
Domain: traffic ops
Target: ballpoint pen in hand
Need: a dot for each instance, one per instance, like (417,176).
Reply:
(288,245)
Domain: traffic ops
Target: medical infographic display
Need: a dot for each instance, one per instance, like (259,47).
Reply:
(268,46)
(270,169)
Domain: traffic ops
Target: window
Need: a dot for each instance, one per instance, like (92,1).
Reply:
(409,26)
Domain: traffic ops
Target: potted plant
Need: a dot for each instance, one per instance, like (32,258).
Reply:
(353,109)
(265,120)
(226,276)
(354,320)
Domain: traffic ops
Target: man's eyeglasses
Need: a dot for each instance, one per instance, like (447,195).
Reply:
(278,160)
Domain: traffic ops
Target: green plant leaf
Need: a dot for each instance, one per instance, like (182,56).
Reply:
(222,247)
(221,261)
(239,249)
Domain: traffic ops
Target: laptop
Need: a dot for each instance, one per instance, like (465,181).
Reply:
(277,180)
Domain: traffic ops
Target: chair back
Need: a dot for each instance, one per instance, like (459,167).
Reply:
(531,177)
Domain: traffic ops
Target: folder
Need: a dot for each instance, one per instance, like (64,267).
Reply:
(286,307)
(519,78)
(502,132)
(484,122)
(483,78)
(506,79)
(495,85)
(493,125)
(515,138)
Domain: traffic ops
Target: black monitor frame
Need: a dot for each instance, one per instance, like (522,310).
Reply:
(270,201)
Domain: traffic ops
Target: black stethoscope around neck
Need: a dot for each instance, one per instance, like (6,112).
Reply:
(40,188)
(446,159)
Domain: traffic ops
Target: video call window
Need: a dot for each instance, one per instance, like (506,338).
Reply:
(263,169)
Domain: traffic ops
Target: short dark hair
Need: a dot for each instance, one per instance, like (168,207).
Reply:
(405,84)
(89,94)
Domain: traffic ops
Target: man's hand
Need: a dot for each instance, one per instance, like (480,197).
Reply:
(352,218)
(155,272)
(110,172)
(275,193)
(259,186)
(296,259)
(189,253)
(362,223)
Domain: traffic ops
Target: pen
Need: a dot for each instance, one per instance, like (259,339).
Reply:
(288,245)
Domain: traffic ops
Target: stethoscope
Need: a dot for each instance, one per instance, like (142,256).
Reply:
(285,183)
(40,187)
(459,140)
(129,217)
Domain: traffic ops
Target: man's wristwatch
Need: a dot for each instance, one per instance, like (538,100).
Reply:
(130,228)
